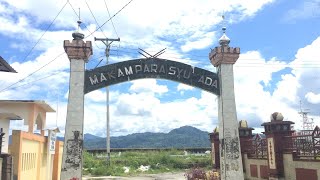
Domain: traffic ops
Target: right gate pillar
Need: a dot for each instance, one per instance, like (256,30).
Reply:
(275,132)
(223,58)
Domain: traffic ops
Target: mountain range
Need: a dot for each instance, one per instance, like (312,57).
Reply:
(186,136)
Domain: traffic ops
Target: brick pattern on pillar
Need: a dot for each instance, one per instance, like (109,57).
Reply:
(275,132)
(245,134)
(223,58)
(78,53)
(214,139)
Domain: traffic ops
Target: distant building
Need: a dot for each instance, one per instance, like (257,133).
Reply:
(5,67)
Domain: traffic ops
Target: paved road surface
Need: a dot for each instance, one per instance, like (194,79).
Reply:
(162,176)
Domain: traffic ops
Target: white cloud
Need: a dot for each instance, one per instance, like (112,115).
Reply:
(306,9)
(313,98)
(151,25)
(200,43)
(189,23)
(148,86)
(99,96)
(183,87)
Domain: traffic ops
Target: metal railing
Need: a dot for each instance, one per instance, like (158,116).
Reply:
(305,145)
(258,148)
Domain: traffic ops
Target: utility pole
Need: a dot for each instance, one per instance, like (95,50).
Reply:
(107,42)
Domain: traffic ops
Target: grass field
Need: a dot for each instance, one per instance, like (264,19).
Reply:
(136,162)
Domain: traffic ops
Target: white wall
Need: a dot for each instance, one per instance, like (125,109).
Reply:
(290,166)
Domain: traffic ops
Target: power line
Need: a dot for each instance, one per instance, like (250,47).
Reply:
(110,18)
(94,18)
(4,89)
(44,32)
(248,60)
(31,82)
(83,23)
(9,88)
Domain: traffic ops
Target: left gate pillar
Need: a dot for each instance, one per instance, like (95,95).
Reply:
(78,53)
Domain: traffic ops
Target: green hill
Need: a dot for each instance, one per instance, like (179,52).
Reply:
(185,136)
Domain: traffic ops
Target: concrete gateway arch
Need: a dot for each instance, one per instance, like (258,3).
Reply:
(84,81)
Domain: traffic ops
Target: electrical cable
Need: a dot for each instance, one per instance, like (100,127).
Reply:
(114,28)
(95,18)
(7,89)
(48,27)
(110,18)
(84,24)
(4,89)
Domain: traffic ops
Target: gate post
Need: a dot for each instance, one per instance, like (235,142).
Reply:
(223,57)
(275,132)
(214,138)
(78,53)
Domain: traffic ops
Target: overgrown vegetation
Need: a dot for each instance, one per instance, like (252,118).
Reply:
(155,161)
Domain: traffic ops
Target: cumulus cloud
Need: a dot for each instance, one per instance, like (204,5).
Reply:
(305,10)
(189,25)
(313,98)
(148,86)
(182,87)
(138,107)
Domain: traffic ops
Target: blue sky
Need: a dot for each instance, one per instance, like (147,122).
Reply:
(278,66)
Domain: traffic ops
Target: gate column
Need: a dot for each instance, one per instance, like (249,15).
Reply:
(223,57)
(275,132)
(214,138)
(78,53)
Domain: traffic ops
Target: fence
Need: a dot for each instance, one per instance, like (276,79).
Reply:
(279,153)
(258,148)
(305,146)
(31,158)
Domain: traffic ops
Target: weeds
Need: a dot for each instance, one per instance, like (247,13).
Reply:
(159,162)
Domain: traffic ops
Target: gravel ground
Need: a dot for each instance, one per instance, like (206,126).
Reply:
(162,176)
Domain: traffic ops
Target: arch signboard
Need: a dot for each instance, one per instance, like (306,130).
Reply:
(151,68)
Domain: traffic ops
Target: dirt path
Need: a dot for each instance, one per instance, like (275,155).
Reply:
(162,176)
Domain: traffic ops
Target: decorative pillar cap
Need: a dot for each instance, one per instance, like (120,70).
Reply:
(216,130)
(276,116)
(77,36)
(224,54)
(78,49)
(224,40)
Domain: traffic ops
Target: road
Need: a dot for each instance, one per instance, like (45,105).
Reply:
(162,176)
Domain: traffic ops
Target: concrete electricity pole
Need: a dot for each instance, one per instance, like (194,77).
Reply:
(107,42)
